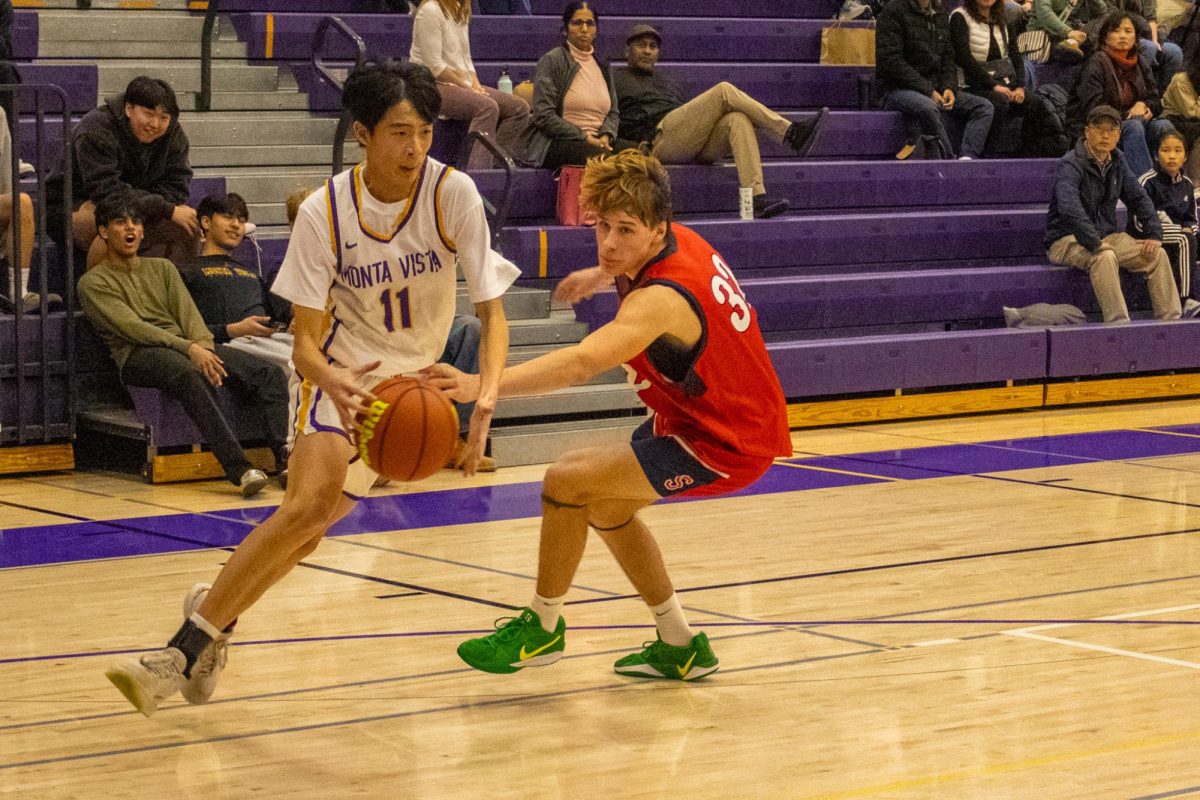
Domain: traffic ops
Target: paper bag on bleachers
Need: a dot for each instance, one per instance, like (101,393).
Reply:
(848,46)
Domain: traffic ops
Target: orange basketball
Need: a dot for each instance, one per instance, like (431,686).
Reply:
(410,432)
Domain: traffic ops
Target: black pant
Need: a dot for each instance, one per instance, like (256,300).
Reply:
(576,152)
(257,381)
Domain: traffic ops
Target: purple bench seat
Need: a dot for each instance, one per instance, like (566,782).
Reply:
(814,9)
(815,185)
(793,86)
(875,299)
(821,367)
(80,81)
(816,242)
(25,35)
(23,404)
(504,38)
(1144,346)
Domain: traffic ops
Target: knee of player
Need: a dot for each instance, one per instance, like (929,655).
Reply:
(306,514)
(565,485)
(725,88)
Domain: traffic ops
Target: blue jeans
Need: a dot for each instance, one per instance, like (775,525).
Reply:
(462,352)
(924,117)
(1171,60)
(1139,139)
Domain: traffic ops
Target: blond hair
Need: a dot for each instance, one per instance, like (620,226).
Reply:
(629,181)
(293,204)
(457,10)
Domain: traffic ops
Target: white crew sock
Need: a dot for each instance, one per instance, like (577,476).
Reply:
(672,624)
(548,609)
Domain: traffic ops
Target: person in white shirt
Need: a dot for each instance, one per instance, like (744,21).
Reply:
(371,273)
(441,42)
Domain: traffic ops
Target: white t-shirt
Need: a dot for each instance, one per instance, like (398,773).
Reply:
(439,42)
(384,273)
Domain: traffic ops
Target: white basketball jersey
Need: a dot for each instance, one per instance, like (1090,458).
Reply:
(385,273)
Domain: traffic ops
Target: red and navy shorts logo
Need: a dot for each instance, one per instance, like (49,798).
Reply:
(677,483)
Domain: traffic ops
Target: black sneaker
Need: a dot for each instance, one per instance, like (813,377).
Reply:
(801,135)
(766,207)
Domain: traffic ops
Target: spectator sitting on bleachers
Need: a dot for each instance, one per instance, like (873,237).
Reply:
(1081,226)
(707,128)
(1181,108)
(1116,75)
(914,65)
(237,305)
(1173,195)
(1063,21)
(575,112)
(1164,58)
(132,142)
(440,41)
(991,66)
(10,282)
(141,309)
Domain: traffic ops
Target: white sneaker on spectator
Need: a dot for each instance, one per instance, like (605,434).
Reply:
(26,168)
(150,679)
(1191,308)
(252,482)
(207,669)
(853,9)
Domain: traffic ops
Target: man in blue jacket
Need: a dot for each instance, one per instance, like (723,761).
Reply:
(1081,228)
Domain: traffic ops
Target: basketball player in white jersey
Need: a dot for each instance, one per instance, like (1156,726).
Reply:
(370,269)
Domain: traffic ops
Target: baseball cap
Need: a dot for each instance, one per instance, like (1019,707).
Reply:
(1103,114)
(642,29)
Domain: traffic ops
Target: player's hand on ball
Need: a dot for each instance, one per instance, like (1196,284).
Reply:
(581,284)
(459,386)
(341,386)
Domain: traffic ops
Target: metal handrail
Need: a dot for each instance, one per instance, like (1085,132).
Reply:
(45,369)
(500,210)
(204,100)
(360,49)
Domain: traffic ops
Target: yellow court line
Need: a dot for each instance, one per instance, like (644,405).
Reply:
(1011,766)
(838,471)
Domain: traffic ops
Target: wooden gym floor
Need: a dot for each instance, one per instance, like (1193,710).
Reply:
(989,607)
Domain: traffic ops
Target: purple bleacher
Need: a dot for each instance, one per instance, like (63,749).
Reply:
(817,242)
(512,39)
(79,81)
(819,367)
(816,185)
(807,9)
(794,86)
(1144,346)
(171,426)
(25,35)
(35,347)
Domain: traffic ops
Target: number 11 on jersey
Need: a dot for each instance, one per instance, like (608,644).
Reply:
(402,301)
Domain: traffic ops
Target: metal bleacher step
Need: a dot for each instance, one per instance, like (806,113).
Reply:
(184,75)
(576,400)
(518,445)
(519,302)
(88,25)
(89,48)
(249,101)
(214,128)
(272,154)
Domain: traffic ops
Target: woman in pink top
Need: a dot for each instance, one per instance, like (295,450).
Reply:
(440,42)
(574,101)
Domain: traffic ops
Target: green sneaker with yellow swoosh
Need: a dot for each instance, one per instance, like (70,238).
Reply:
(661,660)
(518,642)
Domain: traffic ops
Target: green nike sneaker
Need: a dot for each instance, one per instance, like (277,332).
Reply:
(661,660)
(518,642)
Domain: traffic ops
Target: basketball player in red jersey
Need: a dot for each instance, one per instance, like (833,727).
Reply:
(719,419)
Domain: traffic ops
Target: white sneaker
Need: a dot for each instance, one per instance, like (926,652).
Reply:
(1191,309)
(150,679)
(207,669)
(252,482)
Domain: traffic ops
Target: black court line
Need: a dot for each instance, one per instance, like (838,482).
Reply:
(1164,795)
(903,564)
(410,586)
(45,511)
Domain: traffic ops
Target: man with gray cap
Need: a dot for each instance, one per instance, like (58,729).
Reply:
(1082,230)
(720,121)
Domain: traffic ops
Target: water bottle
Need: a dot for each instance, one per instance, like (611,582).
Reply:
(505,82)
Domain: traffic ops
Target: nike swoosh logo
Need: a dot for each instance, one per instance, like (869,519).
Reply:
(526,656)
(686,668)
(350,246)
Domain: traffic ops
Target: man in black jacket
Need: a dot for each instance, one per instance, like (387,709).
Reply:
(914,64)
(721,121)
(1081,226)
(132,142)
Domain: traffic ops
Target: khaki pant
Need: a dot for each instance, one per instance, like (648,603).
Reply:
(1102,269)
(714,124)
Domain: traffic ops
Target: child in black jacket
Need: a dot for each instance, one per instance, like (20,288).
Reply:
(1173,195)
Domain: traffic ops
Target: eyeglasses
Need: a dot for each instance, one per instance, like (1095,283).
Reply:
(582,23)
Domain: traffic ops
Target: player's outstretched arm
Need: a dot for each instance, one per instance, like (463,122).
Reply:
(581,284)
(340,384)
(493,353)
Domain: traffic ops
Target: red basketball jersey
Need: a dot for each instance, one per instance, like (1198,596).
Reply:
(723,396)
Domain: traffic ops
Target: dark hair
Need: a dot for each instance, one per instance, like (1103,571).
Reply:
(375,86)
(1191,66)
(231,204)
(995,15)
(1171,133)
(118,205)
(572,7)
(1111,23)
(151,93)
